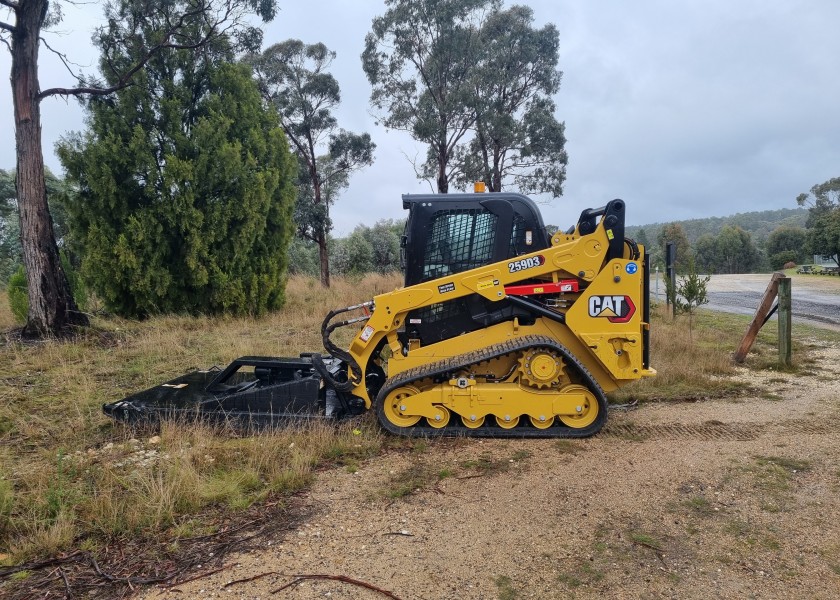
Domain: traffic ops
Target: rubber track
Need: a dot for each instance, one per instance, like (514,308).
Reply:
(455,428)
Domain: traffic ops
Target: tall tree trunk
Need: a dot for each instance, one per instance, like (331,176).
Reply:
(51,307)
(442,179)
(323,251)
(324,256)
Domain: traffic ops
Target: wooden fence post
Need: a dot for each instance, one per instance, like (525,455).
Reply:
(759,318)
(784,321)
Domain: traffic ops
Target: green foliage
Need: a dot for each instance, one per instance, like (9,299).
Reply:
(186,189)
(369,249)
(303,257)
(18,288)
(674,232)
(421,59)
(758,223)
(641,237)
(384,238)
(780,259)
(787,240)
(294,77)
(18,299)
(823,204)
(474,82)
(58,193)
(731,251)
(691,293)
(517,138)
(736,252)
(353,255)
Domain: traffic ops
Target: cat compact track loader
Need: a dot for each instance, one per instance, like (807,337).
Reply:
(500,330)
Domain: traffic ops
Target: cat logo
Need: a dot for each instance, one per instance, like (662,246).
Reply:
(616,309)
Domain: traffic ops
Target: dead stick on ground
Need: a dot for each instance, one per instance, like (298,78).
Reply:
(254,578)
(68,593)
(342,578)
(199,576)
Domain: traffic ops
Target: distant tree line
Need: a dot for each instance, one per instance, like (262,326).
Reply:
(755,241)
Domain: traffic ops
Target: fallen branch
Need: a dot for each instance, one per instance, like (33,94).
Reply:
(300,578)
(199,576)
(68,593)
(653,547)
(254,578)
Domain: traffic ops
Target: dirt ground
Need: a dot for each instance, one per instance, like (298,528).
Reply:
(732,498)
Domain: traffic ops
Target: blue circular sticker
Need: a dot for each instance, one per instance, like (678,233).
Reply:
(631,268)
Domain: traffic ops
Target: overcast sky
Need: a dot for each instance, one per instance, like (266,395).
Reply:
(685,109)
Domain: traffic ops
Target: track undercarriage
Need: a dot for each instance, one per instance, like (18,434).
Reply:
(529,387)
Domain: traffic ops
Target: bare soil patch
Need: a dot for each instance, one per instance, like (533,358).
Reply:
(725,498)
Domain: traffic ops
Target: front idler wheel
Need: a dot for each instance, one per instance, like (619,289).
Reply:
(394,409)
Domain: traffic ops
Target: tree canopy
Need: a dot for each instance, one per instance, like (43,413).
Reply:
(474,83)
(823,224)
(730,251)
(185,187)
(517,139)
(294,78)
(420,58)
(785,244)
(674,232)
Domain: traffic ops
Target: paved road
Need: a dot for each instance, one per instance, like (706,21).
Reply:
(815,298)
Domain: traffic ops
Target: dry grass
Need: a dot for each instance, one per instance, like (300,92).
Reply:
(69,477)
(698,365)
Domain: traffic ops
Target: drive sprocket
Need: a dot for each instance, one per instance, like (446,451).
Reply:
(542,368)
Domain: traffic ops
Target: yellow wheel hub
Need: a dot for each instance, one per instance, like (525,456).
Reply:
(440,419)
(472,421)
(507,422)
(393,407)
(541,368)
(586,413)
(542,422)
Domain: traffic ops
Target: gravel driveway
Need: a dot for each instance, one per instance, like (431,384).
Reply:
(728,498)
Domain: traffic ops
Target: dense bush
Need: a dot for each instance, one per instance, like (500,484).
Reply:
(184,203)
(17,290)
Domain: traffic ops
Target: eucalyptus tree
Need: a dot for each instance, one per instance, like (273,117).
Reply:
(517,139)
(823,224)
(420,58)
(295,78)
(474,83)
(52,309)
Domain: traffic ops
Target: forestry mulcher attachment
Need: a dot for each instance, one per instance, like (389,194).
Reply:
(500,330)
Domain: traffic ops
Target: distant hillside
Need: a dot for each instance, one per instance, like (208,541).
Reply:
(759,224)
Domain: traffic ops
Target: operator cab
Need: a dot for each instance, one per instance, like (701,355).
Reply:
(449,234)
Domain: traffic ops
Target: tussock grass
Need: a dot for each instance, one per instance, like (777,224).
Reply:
(71,477)
(697,365)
